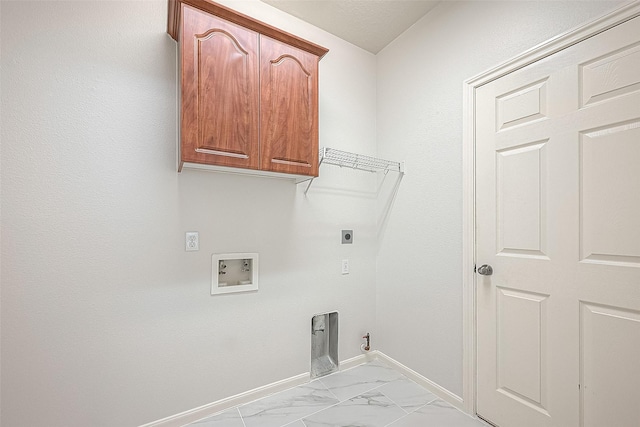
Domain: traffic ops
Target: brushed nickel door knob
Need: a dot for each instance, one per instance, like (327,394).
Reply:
(485,270)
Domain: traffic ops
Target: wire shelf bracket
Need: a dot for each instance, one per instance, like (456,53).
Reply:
(331,156)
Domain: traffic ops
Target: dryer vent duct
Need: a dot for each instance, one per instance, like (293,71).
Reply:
(324,344)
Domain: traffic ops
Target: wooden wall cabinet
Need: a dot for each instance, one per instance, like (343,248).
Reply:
(248,92)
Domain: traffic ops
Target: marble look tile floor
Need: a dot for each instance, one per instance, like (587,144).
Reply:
(369,395)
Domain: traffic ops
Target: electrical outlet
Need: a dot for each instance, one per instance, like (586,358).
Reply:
(345,266)
(192,241)
(347,236)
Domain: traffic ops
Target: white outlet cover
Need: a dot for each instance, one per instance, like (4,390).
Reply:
(192,241)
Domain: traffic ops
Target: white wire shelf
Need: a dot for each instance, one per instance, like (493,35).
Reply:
(331,156)
(340,158)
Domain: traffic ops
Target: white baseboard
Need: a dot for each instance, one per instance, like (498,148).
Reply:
(434,388)
(209,409)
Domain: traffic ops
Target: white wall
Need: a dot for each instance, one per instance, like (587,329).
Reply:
(106,320)
(420,75)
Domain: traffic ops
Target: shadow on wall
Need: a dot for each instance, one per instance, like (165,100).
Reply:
(386,194)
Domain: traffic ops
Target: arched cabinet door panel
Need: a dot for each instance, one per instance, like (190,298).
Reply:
(220,92)
(289,109)
(248,92)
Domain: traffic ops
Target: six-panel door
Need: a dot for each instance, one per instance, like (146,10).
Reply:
(558,218)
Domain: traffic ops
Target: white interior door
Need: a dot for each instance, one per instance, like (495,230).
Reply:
(558,219)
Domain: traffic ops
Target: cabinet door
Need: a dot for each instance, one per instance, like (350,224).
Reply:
(289,109)
(220,92)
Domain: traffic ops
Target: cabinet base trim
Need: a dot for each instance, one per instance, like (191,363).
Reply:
(250,172)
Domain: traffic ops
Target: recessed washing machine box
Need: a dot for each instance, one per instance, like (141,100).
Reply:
(324,344)
(236,272)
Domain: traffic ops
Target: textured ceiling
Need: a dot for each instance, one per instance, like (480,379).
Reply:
(370,24)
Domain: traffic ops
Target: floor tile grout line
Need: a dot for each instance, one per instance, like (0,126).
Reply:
(311,380)
(412,412)
(395,421)
(406,413)
(427,404)
(241,417)
(431,401)
(395,403)
(342,401)
(332,393)
(313,413)
(360,394)
(319,410)
(335,404)
(289,389)
(360,366)
(373,388)
(367,390)
(323,387)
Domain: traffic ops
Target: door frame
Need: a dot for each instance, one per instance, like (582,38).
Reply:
(543,50)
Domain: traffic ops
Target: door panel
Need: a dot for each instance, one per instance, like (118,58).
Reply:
(522,105)
(521,347)
(220,94)
(610,208)
(289,109)
(613,75)
(520,200)
(557,211)
(611,393)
